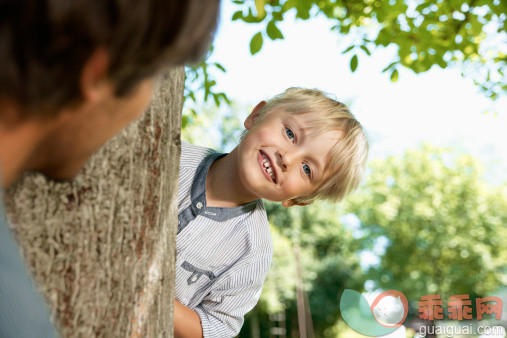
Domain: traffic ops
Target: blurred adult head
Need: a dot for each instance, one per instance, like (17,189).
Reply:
(75,72)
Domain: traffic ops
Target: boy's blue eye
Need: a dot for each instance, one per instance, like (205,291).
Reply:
(306,169)
(289,134)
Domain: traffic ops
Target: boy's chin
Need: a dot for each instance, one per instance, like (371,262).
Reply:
(292,202)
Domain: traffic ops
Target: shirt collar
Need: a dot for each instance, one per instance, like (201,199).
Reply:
(198,194)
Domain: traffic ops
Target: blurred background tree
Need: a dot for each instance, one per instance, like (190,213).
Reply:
(443,226)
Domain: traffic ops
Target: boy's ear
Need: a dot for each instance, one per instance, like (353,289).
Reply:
(250,120)
(290,203)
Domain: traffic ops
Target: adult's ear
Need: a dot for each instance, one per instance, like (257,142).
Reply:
(94,82)
(250,120)
(290,203)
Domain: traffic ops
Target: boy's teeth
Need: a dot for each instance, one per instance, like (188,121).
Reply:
(268,167)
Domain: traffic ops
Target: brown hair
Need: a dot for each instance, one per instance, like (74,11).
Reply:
(45,43)
(348,158)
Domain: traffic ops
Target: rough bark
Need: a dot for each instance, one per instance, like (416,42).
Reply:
(102,247)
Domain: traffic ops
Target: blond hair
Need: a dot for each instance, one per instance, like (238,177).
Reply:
(347,158)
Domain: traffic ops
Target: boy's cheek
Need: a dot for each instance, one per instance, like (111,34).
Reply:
(269,134)
(296,187)
(261,134)
(289,190)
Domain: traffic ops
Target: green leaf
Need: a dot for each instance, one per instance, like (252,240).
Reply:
(277,16)
(289,4)
(225,98)
(394,75)
(353,63)
(184,121)
(383,37)
(256,43)
(251,18)
(363,47)
(388,67)
(219,66)
(237,15)
(303,9)
(348,49)
(273,31)
(259,6)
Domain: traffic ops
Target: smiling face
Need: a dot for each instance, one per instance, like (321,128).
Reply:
(279,159)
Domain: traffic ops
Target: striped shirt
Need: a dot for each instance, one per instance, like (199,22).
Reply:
(223,254)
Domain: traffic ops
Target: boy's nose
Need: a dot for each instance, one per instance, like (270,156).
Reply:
(280,159)
(285,159)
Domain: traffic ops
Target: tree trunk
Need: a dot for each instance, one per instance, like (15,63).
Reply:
(102,247)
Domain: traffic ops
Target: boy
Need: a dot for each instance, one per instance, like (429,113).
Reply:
(298,147)
(72,74)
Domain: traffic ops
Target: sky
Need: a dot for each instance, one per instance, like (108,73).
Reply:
(438,106)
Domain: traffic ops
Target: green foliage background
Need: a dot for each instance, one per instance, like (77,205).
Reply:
(444,226)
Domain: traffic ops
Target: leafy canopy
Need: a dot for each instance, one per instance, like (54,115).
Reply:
(444,33)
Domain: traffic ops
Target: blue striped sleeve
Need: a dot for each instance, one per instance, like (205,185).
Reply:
(222,311)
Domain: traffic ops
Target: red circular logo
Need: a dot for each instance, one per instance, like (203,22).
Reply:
(390,308)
